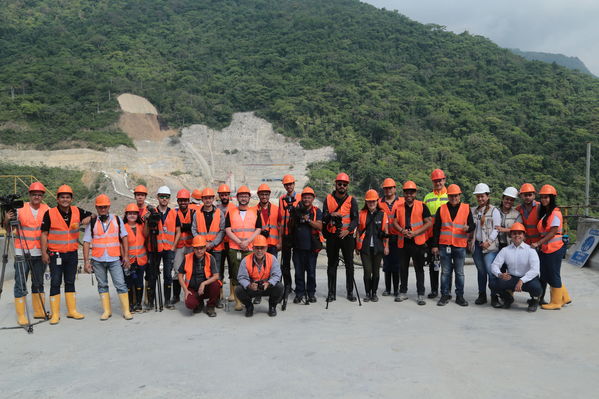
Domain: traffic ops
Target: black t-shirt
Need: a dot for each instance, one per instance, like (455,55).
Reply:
(66,216)
(425,214)
(302,234)
(208,216)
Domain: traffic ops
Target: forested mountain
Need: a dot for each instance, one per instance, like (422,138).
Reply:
(560,59)
(393,96)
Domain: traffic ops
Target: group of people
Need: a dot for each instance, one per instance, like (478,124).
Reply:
(514,248)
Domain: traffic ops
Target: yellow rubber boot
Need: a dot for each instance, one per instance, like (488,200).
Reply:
(238,305)
(105,298)
(125,306)
(231,297)
(72,306)
(55,308)
(38,300)
(556,299)
(20,309)
(566,300)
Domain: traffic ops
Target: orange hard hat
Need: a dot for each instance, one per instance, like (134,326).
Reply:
(102,200)
(131,208)
(454,189)
(263,187)
(260,241)
(243,190)
(208,192)
(342,177)
(287,179)
(64,189)
(37,186)
(437,174)
(198,241)
(308,191)
(223,188)
(527,188)
(548,189)
(183,194)
(518,227)
(140,189)
(409,185)
(371,195)
(197,194)
(388,182)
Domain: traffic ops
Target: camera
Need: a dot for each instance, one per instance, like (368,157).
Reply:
(337,222)
(153,218)
(10,202)
(289,200)
(260,284)
(185,227)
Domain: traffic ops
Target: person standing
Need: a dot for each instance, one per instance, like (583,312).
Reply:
(225,205)
(529,211)
(59,241)
(340,216)
(196,200)
(138,256)
(287,202)
(391,262)
(185,216)
(270,215)
(141,193)
(509,216)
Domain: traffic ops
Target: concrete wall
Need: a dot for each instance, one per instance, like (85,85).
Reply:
(584,225)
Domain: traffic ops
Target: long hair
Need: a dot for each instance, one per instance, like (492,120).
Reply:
(487,206)
(546,211)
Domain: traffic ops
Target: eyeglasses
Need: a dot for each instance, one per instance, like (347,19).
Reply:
(36,194)
(528,194)
(341,184)
(438,181)
(164,196)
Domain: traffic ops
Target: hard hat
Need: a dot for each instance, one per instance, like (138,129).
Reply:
(223,188)
(37,186)
(183,194)
(409,185)
(518,227)
(342,177)
(131,208)
(64,189)
(164,190)
(243,190)
(371,195)
(548,189)
(454,189)
(263,187)
(308,191)
(208,192)
(388,182)
(511,192)
(197,194)
(140,189)
(260,241)
(198,241)
(481,188)
(102,200)
(437,174)
(287,179)
(527,188)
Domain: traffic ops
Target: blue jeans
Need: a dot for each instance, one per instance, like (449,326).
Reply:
(533,287)
(304,262)
(167,257)
(483,265)
(450,262)
(101,270)
(551,265)
(37,277)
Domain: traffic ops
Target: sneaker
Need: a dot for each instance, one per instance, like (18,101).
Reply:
(443,301)
(169,305)
(420,300)
(249,310)
(219,304)
(482,298)
(403,296)
(312,299)
(210,311)
(495,302)
(351,297)
(533,304)
(386,293)
(461,301)
(297,299)
(433,295)
(374,298)
(331,297)
(366,298)
(257,300)
(507,301)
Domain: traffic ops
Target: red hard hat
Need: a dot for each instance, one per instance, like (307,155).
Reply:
(102,200)
(198,241)
(527,188)
(342,177)
(263,187)
(131,208)
(140,189)
(260,241)
(371,195)
(243,190)
(208,192)
(409,185)
(183,194)
(548,189)
(223,188)
(64,189)
(437,174)
(518,227)
(388,182)
(307,191)
(454,189)
(197,194)
(287,179)
(37,186)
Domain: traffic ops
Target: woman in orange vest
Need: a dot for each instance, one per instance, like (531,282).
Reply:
(372,242)
(551,248)
(138,257)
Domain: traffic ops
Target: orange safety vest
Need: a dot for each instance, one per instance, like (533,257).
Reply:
(142,211)
(362,227)
(271,224)
(253,272)
(454,232)
(189,268)
(63,238)
(416,222)
(166,232)
(242,228)
(137,249)
(556,242)
(226,212)
(344,210)
(194,207)
(391,212)
(106,240)
(284,213)
(31,227)
(530,223)
(186,238)
(214,229)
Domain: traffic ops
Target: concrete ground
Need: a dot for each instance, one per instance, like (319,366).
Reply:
(383,349)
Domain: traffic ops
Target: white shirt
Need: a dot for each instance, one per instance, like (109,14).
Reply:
(477,215)
(522,261)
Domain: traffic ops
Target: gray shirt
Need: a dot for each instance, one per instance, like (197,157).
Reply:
(221,233)
(275,272)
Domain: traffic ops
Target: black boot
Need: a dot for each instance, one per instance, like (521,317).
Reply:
(351,297)
(138,299)
(272,310)
(373,297)
(167,297)
(482,298)
(249,309)
(495,301)
(366,297)
(533,304)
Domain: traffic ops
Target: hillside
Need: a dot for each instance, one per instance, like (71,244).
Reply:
(569,62)
(394,97)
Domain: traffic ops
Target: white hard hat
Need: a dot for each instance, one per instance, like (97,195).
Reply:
(481,188)
(511,192)
(164,190)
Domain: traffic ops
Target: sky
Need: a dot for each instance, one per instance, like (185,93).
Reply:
(569,27)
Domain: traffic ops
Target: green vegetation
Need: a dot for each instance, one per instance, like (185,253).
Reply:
(393,96)
(560,59)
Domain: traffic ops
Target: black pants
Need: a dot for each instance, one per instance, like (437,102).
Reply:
(273,292)
(433,274)
(224,254)
(533,287)
(304,261)
(67,270)
(371,261)
(346,245)
(286,261)
(417,254)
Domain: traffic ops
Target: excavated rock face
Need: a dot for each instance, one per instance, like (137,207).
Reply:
(140,119)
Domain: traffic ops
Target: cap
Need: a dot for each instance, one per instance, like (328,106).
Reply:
(454,189)
(287,179)
(102,200)
(371,195)
(140,189)
(481,188)
(37,186)
(548,189)
(131,208)
(198,241)
(409,185)
(511,192)
(260,241)
(388,182)
(183,194)
(64,189)
(437,174)
(223,188)
(263,187)
(164,190)
(342,177)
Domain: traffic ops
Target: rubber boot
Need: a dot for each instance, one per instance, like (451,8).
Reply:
(231,297)
(72,306)
(55,309)
(131,295)
(566,300)
(138,299)
(105,298)
(20,309)
(125,306)
(38,300)
(238,304)
(556,299)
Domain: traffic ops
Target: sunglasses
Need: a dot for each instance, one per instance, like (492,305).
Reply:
(164,196)
(340,184)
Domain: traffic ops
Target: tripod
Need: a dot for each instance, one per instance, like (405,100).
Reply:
(155,267)
(333,284)
(16,225)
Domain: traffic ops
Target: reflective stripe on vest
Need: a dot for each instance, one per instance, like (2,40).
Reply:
(63,238)
(284,213)
(433,202)
(416,222)
(344,210)
(271,224)
(262,274)
(31,227)
(106,241)
(556,242)
(189,268)
(242,228)
(185,238)
(390,212)
(166,238)
(454,232)
(530,222)
(137,249)
(362,215)
(211,233)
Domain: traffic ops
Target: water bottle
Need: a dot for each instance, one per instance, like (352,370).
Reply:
(436,263)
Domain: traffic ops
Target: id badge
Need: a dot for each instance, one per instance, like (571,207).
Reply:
(239,256)
(58,260)
(164,229)
(448,250)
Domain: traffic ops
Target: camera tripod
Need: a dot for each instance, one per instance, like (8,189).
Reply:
(155,268)
(16,225)
(333,284)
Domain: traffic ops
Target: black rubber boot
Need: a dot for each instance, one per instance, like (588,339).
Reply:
(482,298)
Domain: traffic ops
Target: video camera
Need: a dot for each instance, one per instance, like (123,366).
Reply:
(260,284)
(153,218)
(289,200)
(10,202)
